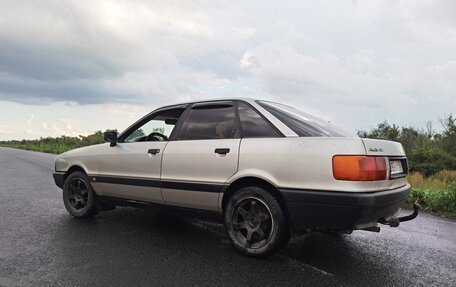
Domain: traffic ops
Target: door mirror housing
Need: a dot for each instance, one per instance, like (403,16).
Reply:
(110,136)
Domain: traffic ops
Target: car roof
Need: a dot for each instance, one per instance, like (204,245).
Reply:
(249,100)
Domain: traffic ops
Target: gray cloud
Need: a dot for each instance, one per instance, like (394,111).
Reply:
(372,57)
(79,52)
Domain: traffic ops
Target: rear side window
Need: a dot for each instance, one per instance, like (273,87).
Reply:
(253,124)
(209,122)
(303,124)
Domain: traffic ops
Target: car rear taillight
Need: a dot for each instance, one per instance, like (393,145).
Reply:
(359,168)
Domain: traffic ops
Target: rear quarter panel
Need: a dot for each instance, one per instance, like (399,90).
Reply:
(303,163)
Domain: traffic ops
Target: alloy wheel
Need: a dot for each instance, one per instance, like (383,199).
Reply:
(78,194)
(252,222)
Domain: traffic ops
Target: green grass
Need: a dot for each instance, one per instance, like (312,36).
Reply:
(48,148)
(440,180)
(436,194)
(55,145)
(437,201)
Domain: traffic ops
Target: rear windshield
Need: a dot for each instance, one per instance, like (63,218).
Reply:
(303,124)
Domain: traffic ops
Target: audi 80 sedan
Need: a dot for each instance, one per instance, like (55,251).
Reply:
(267,169)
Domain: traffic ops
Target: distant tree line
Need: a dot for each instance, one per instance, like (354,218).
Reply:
(428,151)
(56,145)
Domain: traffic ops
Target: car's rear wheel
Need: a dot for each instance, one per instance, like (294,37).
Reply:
(256,222)
(78,195)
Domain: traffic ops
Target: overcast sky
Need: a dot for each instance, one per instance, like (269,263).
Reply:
(74,67)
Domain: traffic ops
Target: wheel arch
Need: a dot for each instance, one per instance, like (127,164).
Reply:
(257,182)
(72,169)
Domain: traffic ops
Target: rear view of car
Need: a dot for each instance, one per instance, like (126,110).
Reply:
(325,180)
(336,182)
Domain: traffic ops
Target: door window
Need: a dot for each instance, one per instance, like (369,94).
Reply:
(253,124)
(209,121)
(156,128)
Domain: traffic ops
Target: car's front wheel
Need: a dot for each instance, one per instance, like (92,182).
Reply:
(78,195)
(256,222)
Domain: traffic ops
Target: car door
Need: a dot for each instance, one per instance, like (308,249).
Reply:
(202,157)
(131,169)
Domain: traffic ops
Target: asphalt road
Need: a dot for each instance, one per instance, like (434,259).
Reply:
(42,245)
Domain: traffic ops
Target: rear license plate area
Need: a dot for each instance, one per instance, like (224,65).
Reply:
(398,167)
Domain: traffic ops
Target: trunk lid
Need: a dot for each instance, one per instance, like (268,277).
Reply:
(383,148)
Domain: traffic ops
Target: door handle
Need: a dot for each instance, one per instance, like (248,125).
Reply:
(153,151)
(222,150)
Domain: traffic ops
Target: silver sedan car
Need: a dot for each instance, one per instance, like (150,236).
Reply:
(267,169)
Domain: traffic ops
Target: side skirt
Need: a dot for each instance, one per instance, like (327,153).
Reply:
(180,211)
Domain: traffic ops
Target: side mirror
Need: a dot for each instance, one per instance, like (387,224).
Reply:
(110,136)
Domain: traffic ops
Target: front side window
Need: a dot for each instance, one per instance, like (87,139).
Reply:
(157,128)
(253,125)
(209,121)
(303,124)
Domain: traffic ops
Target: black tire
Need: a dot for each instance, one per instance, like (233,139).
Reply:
(255,222)
(78,195)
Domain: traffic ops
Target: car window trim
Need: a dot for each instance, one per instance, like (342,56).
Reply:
(208,105)
(238,119)
(178,127)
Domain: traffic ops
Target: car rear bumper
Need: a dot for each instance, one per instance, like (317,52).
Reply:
(59,178)
(342,210)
